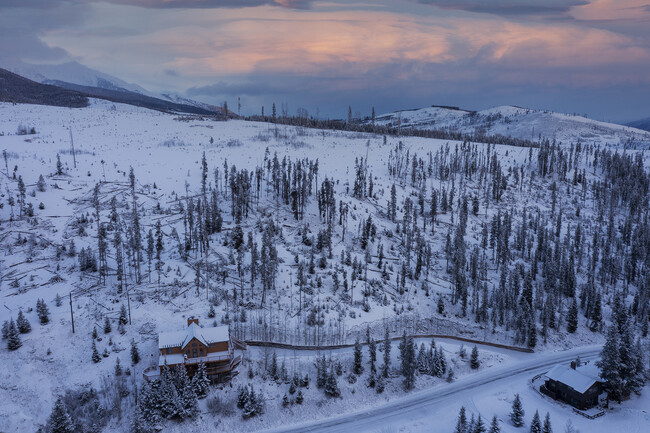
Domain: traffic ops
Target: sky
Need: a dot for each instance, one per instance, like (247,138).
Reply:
(576,56)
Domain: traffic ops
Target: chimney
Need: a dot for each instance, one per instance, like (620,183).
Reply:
(573,365)
(192,319)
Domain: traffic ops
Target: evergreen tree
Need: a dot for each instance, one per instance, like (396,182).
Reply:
(140,423)
(408,361)
(386,367)
(609,364)
(43,312)
(474,361)
(107,325)
(372,354)
(479,426)
(200,381)
(95,354)
(494,427)
(13,336)
(535,424)
(22,323)
(135,354)
(517,413)
(60,421)
(572,317)
(461,423)
(124,318)
(118,367)
(332,386)
(546,428)
(5,329)
(357,367)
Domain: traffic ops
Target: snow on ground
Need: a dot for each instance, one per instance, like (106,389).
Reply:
(521,123)
(165,153)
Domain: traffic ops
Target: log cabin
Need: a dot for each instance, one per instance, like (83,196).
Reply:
(578,386)
(213,346)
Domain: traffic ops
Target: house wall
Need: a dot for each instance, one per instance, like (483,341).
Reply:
(574,398)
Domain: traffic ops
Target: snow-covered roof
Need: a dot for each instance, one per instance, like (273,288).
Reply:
(182,338)
(580,380)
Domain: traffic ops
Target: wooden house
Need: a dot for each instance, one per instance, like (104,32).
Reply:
(578,386)
(213,346)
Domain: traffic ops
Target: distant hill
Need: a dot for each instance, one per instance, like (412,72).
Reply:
(641,124)
(17,89)
(71,74)
(137,99)
(518,122)
(20,90)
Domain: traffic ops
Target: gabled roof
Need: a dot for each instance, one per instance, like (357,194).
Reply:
(580,380)
(182,338)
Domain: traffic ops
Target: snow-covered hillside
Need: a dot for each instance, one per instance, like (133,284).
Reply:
(304,237)
(523,123)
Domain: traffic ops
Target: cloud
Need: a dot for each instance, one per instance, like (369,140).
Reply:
(162,4)
(509,7)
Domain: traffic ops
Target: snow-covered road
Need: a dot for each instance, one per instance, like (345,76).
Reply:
(425,406)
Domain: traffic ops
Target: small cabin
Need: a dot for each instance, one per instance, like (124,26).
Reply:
(212,346)
(579,386)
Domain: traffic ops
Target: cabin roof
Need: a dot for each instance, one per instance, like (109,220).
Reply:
(580,379)
(182,338)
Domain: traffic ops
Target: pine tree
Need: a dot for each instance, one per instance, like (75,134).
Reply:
(494,427)
(386,367)
(13,336)
(357,367)
(118,367)
(332,386)
(140,423)
(517,414)
(60,421)
(95,354)
(242,397)
(372,354)
(479,426)
(107,325)
(474,361)
(408,361)
(135,354)
(43,312)
(124,318)
(22,323)
(609,364)
(461,423)
(5,329)
(535,424)
(546,428)
(572,317)
(200,381)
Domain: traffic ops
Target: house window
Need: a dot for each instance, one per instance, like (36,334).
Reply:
(194,355)
(169,350)
(193,344)
(201,352)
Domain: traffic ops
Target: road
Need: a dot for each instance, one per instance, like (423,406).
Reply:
(420,405)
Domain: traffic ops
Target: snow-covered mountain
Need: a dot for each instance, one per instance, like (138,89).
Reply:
(641,124)
(80,75)
(520,123)
(75,73)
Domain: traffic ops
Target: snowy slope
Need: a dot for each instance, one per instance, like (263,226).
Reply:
(76,73)
(523,123)
(165,152)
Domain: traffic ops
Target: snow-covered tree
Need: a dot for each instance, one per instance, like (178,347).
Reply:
(517,413)
(60,421)
(474,361)
(13,336)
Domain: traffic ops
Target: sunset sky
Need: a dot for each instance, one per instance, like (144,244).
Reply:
(586,56)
